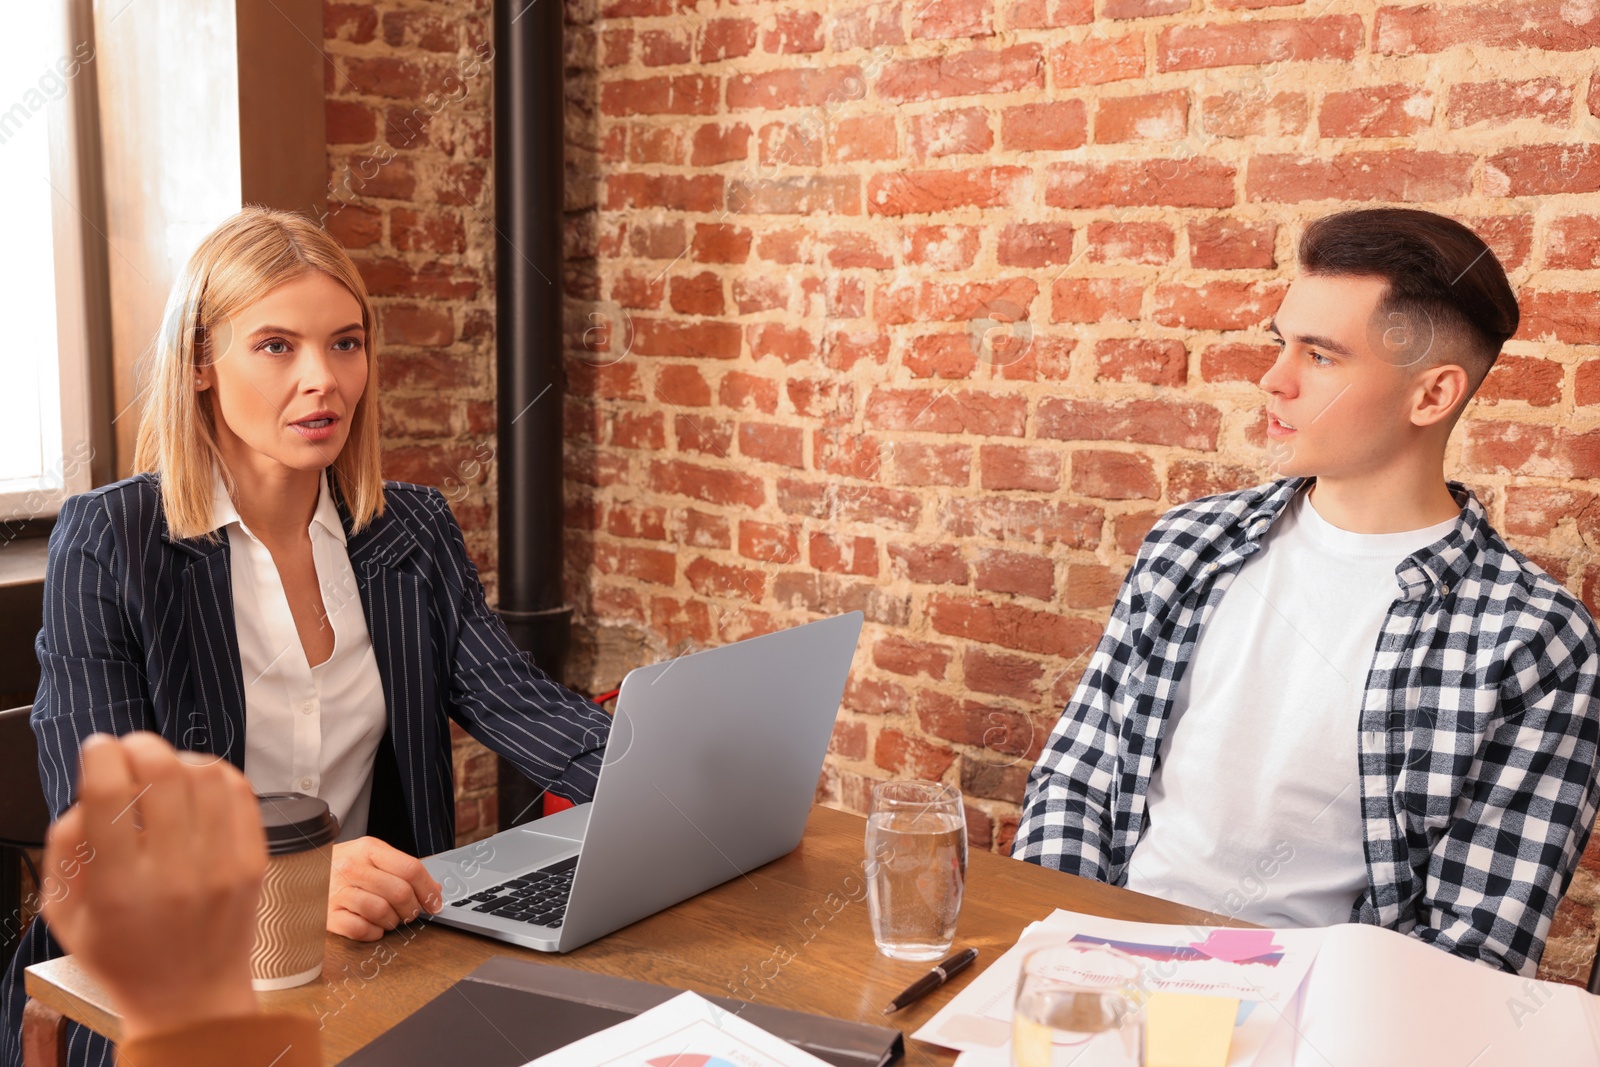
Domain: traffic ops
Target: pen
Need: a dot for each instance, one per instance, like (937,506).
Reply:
(935,978)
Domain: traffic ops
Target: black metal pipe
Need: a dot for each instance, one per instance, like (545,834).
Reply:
(528,194)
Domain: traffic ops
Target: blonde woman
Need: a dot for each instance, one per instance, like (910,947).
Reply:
(260,593)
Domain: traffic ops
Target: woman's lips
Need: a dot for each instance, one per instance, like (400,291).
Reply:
(316,429)
(1276,428)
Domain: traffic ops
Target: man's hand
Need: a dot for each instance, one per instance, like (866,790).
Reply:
(155,876)
(376,887)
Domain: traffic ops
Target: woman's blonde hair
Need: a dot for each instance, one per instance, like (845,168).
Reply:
(241,261)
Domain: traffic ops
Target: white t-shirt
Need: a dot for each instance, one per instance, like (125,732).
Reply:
(1254,810)
(312,730)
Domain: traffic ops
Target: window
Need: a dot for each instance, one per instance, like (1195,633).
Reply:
(45,449)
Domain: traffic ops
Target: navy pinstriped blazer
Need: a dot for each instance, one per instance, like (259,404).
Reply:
(139,635)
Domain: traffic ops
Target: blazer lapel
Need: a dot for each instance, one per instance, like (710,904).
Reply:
(214,716)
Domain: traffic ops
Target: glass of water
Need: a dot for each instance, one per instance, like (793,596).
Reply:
(1079,1004)
(917,867)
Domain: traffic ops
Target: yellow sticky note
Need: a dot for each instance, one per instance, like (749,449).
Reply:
(1188,1030)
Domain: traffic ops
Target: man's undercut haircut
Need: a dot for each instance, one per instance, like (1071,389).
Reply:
(1448,299)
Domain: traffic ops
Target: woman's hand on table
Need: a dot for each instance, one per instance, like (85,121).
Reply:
(376,887)
(155,874)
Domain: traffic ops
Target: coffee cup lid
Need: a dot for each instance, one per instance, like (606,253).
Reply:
(295,822)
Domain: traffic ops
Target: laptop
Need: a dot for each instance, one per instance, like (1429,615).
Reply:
(710,772)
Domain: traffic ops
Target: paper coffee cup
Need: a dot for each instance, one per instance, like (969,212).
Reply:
(293,916)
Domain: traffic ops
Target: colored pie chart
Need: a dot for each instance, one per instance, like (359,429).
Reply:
(686,1059)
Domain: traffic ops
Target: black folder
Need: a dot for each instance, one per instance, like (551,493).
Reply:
(510,1011)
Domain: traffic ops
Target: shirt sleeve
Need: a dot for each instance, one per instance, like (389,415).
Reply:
(500,697)
(245,1041)
(1066,812)
(1517,830)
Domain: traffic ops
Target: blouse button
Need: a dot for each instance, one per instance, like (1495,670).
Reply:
(305,784)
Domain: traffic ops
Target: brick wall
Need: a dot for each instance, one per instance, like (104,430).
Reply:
(930,307)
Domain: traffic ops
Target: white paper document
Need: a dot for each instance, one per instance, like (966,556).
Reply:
(1262,968)
(686,1031)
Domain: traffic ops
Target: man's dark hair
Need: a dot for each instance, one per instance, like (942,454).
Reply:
(1447,291)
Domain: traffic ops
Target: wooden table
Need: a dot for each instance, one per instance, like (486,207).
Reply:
(809,905)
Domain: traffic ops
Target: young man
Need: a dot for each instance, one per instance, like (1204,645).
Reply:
(1339,696)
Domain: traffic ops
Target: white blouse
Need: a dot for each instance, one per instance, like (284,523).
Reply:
(312,730)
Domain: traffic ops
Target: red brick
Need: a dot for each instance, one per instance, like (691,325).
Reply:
(657,240)
(704,435)
(970,73)
(418,416)
(1095,299)
(1096,60)
(1545,25)
(1011,626)
(831,400)
(941,355)
(727,39)
(912,757)
(1114,475)
(1018,520)
(1537,381)
(1138,9)
(790,344)
(709,578)
(394,277)
(679,94)
(1221,305)
(680,621)
(643,564)
(717,242)
(843,555)
(835,194)
(715,144)
(863,138)
(1050,14)
(1147,117)
(1003,731)
(1496,103)
(682,386)
(1222,243)
(788,246)
(994,780)
(356,23)
(1397,174)
(955,302)
(794,32)
(920,464)
(848,249)
(1375,111)
(872,696)
(769,542)
(1019,467)
(748,392)
(945,19)
(1189,479)
(1129,530)
(1258,43)
(775,444)
(849,740)
(1253,113)
(1049,127)
(1182,424)
(962,131)
(1131,242)
(1000,571)
(648,523)
(1042,244)
(1134,359)
(714,486)
(1572,243)
(783,144)
(795,87)
(1586,384)
(639,430)
(655,144)
(946,411)
(929,564)
(441,232)
(903,656)
(415,324)
(355,226)
(1507,447)
(616,48)
(663,337)
(1092,586)
(665,48)
(870,26)
(696,294)
(1002,673)
(1543,170)
(1567,316)
(949,248)
(1191,182)
(698,192)
(1236,362)
(930,191)
(349,122)
(846,454)
(638,290)
(1536,511)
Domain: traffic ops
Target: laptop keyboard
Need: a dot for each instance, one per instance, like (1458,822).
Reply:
(539,898)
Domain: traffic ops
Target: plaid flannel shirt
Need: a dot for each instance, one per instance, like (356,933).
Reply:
(1479,730)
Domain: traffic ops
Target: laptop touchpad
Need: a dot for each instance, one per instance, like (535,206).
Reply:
(520,851)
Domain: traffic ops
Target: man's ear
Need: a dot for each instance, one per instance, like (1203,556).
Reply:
(1438,394)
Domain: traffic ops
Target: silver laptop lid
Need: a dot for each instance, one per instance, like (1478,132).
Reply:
(710,771)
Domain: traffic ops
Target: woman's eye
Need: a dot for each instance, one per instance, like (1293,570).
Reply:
(275,348)
(348,344)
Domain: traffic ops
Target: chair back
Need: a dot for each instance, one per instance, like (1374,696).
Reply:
(24,815)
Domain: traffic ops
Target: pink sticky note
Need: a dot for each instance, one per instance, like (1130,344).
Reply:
(1231,946)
